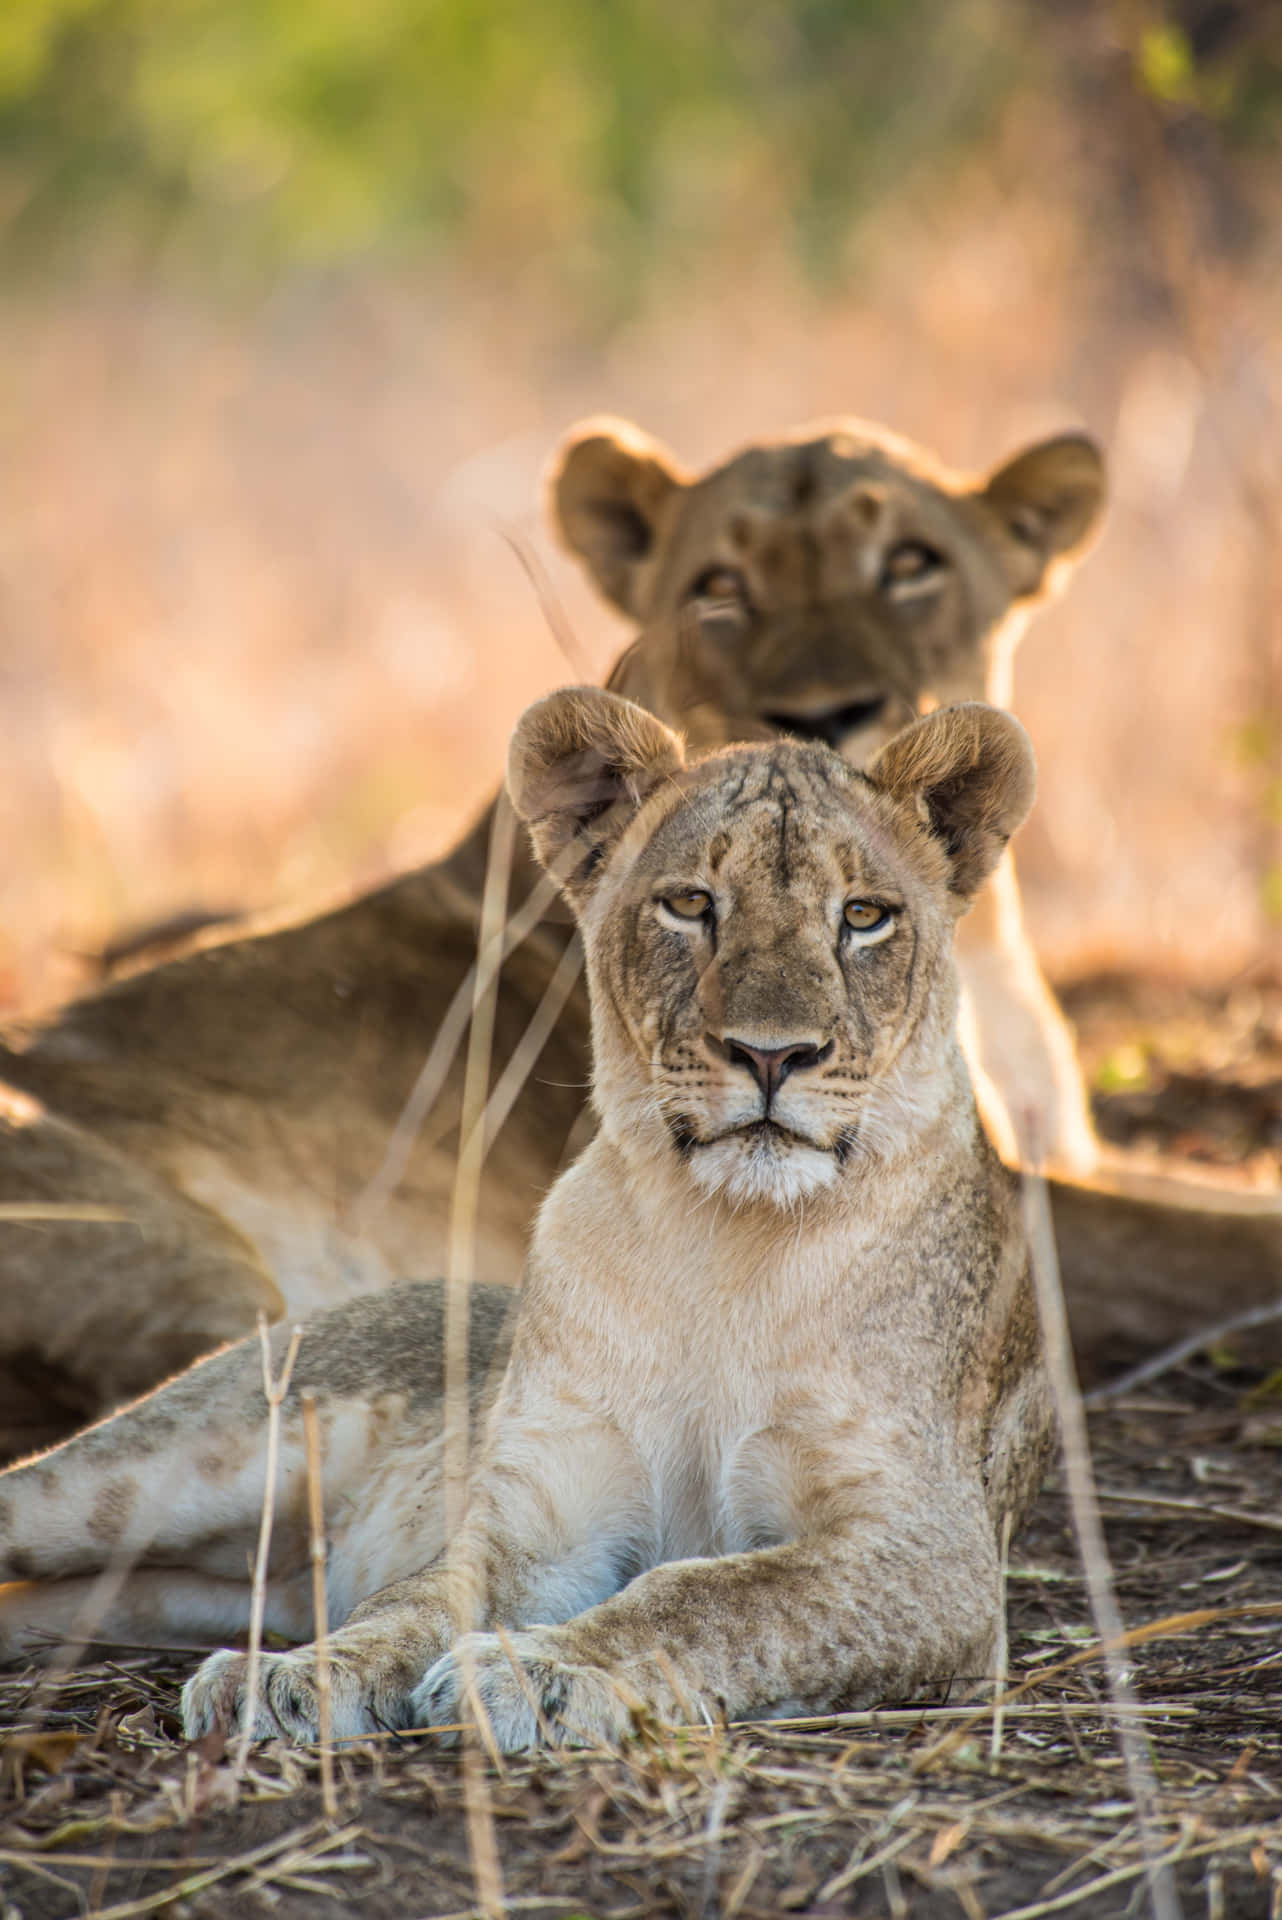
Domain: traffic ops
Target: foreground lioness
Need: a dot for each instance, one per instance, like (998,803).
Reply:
(775,1378)
(236,1106)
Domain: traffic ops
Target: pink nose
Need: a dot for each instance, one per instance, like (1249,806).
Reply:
(770,1066)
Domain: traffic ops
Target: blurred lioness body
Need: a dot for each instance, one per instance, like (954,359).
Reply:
(238,1106)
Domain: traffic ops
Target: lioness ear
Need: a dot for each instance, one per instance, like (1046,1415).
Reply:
(1048,500)
(609,489)
(970,772)
(580,764)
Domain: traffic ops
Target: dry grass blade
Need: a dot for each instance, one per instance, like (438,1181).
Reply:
(1168,1627)
(196,1883)
(23,1211)
(1118,1877)
(478,982)
(549,605)
(1204,1509)
(275,1391)
(1182,1350)
(1080,1480)
(1003,1648)
(482,1841)
(320,1607)
(507,1088)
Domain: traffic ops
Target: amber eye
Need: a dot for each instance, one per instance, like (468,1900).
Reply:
(690,904)
(719,583)
(909,563)
(867,916)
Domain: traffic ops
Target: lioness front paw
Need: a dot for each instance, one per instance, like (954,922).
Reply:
(531,1698)
(287,1705)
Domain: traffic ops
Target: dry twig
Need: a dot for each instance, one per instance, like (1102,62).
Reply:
(1080,1480)
(275,1391)
(1182,1350)
(320,1607)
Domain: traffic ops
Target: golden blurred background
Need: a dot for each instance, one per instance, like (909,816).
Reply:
(299,295)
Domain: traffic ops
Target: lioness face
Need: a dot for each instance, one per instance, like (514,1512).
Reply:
(828,585)
(768,937)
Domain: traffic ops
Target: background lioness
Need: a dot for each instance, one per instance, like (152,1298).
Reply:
(862,581)
(775,1377)
(236,1104)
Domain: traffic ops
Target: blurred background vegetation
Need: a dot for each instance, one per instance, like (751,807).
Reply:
(299,294)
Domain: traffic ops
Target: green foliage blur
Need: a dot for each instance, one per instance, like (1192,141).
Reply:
(315,131)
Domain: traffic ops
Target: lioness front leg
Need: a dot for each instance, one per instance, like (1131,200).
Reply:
(551,1524)
(836,1619)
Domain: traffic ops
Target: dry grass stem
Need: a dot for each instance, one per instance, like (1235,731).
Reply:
(1204,1509)
(478,982)
(1182,1350)
(320,1605)
(274,1391)
(550,606)
(460,1272)
(22,1212)
(507,1088)
(1003,1646)
(1080,1481)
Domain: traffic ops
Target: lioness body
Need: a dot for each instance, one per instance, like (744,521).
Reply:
(238,1106)
(775,1378)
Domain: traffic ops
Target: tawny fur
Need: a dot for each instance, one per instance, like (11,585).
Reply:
(754,1442)
(236,1103)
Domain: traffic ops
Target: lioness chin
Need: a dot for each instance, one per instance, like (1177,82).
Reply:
(775,1378)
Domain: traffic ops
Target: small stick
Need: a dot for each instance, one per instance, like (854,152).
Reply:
(460,1273)
(275,1391)
(1182,1350)
(66,1210)
(1079,1480)
(553,612)
(1003,1649)
(320,1608)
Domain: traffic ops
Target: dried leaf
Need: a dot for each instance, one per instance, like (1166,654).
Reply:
(946,1841)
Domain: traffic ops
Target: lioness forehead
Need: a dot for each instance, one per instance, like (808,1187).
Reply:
(790,814)
(818,463)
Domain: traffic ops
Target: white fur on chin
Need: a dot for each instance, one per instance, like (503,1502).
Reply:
(752,1167)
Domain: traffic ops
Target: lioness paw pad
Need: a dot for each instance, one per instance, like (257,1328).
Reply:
(287,1705)
(528,1695)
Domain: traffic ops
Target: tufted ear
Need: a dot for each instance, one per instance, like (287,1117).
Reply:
(1048,501)
(580,764)
(610,487)
(970,773)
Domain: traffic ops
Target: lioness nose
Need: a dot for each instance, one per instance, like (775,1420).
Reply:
(770,1066)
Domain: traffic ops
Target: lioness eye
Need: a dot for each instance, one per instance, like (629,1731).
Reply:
(866,916)
(908,563)
(691,904)
(718,583)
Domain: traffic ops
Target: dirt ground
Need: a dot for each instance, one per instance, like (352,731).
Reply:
(915,1812)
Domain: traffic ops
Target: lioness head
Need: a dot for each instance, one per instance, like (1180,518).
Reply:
(825,584)
(768,932)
